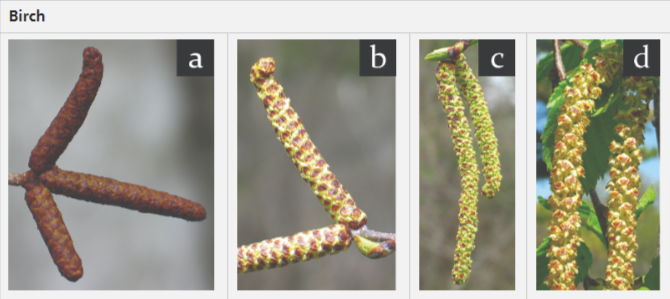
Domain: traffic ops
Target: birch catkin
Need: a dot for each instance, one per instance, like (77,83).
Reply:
(108,191)
(282,251)
(71,116)
(566,189)
(624,182)
(52,228)
(481,119)
(306,157)
(467,166)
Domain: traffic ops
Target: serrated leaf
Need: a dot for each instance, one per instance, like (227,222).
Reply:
(590,220)
(652,280)
(542,264)
(554,110)
(584,262)
(646,200)
(544,202)
(599,135)
(571,57)
(593,49)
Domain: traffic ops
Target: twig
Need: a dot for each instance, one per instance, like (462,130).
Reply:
(448,53)
(581,45)
(367,233)
(18,179)
(558,60)
(601,212)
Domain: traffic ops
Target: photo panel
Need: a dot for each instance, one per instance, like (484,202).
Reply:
(351,119)
(597,186)
(147,145)
(318,219)
(466,225)
(489,102)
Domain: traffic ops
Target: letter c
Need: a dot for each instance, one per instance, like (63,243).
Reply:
(493,60)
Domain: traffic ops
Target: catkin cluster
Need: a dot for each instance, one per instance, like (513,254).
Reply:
(481,119)
(350,220)
(566,188)
(624,182)
(460,135)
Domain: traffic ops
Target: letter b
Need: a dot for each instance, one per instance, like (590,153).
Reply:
(374,58)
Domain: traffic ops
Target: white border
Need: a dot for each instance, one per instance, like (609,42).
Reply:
(402,167)
(220,80)
(520,174)
(530,166)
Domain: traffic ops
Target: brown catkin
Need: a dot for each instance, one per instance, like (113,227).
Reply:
(282,251)
(108,191)
(306,157)
(52,228)
(71,116)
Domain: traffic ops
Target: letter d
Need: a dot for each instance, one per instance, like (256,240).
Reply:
(646,58)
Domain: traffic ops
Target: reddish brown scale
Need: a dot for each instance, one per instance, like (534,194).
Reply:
(52,228)
(108,191)
(71,116)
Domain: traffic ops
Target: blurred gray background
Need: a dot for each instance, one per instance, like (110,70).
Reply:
(493,257)
(351,120)
(148,127)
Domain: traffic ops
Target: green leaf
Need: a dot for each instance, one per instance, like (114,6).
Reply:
(542,264)
(652,280)
(584,262)
(590,220)
(646,200)
(544,202)
(600,134)
(571,57)
(554,106)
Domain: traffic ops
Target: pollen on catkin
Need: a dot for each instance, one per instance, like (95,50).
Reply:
(481,120)
(306,157)
(566,188)
(624,182)
(282,251)
(467,166)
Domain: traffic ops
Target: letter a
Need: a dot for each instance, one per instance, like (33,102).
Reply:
(197,60)
(373,58)
(646,58)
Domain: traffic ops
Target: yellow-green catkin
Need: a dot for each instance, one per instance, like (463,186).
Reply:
(624,182)
(306,157)
(484,132)
(282,251)
(467,166)
(566,189)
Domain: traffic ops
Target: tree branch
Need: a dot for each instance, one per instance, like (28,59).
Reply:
(367,233)
(558,60)
(601,213)
(581,45)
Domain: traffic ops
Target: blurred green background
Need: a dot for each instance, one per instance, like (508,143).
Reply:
(351,120)
(648,229)
(146,126)
(493,257)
